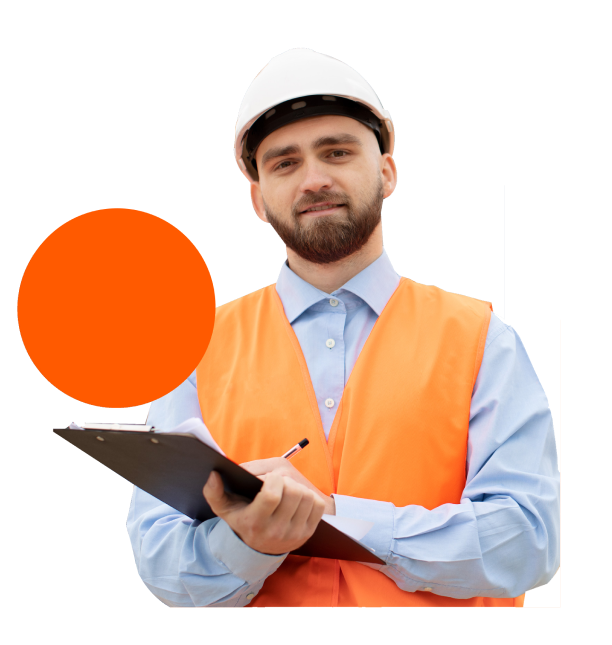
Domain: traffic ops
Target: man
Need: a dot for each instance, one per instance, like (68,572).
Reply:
(423,412)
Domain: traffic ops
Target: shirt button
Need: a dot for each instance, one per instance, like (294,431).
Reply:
(333,302)
(330,342)
(425,589)
(250,596)
(329,403)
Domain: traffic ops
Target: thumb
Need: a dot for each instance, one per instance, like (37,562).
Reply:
(214,493)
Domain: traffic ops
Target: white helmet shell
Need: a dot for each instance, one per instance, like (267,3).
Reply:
(299,73)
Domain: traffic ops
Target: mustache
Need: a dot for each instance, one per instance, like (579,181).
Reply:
(310,200)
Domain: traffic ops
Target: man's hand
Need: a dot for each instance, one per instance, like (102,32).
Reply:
(286,469)
(283,515)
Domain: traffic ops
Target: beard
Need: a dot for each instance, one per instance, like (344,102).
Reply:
(330,238)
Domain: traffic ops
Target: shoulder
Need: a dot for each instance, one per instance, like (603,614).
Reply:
(249,299)
(500,334)
(432,294)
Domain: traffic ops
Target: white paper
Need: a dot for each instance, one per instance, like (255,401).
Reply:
(192,426)
(134,427)
(197,428)
(130,427)
(356,529)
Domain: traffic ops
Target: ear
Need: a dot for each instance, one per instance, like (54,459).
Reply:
(257,201)
(389,174)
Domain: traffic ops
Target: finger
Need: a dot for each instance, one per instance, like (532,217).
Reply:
(302,513)
(214,493)
(262,466)
(316,513)
(269,497)
(292,496)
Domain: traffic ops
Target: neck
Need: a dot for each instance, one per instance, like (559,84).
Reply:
(332,276)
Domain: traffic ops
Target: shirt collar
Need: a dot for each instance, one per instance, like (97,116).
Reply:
(374,285)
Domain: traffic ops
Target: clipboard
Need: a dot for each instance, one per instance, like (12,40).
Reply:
(174,467)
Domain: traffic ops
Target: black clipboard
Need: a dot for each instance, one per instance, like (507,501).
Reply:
(174,467)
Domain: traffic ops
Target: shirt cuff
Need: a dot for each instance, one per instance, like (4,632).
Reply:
(245,563)
(380,536)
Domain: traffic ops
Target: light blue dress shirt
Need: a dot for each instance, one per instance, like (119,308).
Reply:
(499,541)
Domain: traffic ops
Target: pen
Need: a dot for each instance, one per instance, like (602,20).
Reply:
(297,448)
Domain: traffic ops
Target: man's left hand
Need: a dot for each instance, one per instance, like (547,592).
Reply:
(261,467)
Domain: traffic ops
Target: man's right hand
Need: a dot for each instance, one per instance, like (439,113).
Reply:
(283,515)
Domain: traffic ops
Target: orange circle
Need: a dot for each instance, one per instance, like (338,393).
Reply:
(116,308)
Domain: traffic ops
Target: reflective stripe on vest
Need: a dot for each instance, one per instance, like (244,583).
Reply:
(399,434)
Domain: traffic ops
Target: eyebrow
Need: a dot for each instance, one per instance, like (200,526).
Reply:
(321,142)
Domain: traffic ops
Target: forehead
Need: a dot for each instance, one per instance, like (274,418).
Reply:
(305,131)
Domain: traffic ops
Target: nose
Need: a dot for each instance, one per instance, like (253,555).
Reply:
(315,177)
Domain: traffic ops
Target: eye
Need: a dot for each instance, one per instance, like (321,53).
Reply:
(339,153)
(279,167)
(282,165)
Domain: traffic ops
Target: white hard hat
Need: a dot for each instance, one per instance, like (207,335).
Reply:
(323,85)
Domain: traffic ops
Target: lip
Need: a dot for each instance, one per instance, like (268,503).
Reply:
(319,204)
(326,211)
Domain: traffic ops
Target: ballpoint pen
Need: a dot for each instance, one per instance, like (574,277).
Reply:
(297,448)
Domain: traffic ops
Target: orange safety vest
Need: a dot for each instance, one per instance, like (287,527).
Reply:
(399,434)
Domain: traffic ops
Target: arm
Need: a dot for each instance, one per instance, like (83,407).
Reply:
(503,537)
(187,563)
